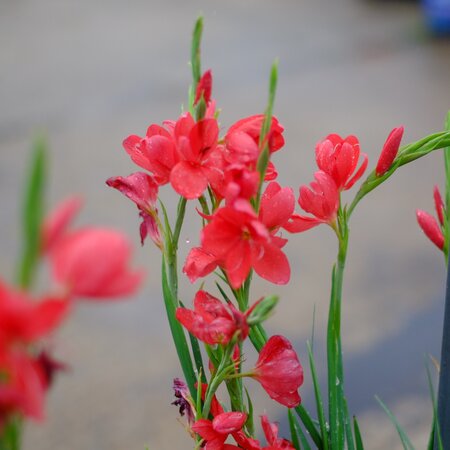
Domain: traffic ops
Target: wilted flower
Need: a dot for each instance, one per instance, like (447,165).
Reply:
(183,400)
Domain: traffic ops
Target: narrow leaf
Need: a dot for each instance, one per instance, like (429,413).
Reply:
(33,214)
(402,434)
(318,397)
(358,438)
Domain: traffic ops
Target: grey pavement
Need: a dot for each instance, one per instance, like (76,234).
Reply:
(92,72)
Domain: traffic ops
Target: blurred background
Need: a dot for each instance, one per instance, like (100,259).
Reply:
(90,73)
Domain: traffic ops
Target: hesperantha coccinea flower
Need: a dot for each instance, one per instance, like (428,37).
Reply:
(434,230)
(339,158)
(227,176)
(238,241)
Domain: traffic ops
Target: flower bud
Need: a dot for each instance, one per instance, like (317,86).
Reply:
(389,152)
(262,310)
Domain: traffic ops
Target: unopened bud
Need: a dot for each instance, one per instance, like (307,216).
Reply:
(389,152)
(262,310)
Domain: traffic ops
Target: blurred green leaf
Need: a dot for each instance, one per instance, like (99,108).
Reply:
(33,214)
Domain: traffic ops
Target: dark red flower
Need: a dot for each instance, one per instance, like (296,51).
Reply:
(321,199)
(389,151)
(279,371)
(211,321)
(183,400)
(339,158)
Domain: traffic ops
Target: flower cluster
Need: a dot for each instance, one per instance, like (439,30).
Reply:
(85,262)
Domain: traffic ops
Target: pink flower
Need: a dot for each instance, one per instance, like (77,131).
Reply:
(141,189)
(211,321)
(339,158)
(389,151)
(239,182)
(94,262)
(56,223)
(239,241)
(279,371)
(321,199)
(215,432)
(24,320)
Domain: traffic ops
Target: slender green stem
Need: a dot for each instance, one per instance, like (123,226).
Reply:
(217,379)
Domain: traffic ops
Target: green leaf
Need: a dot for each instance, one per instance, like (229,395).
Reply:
(348,426)
(309,425)
(318,397)
(435,412)
(403,436)
(179,338)
(195,51)
(33,214)
(298,429)
(294,435)
(249,424)
(358,438)
(264,156)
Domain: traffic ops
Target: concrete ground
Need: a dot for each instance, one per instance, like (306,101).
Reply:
(90,73)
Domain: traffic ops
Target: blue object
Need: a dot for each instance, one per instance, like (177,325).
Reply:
(437,13)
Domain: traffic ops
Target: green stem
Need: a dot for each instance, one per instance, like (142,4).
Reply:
(217,379)
(334,346)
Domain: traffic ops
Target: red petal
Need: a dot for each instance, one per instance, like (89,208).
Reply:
(431,228)
(188,180)
(229,422)
(199,264)
(359,173)
(273,265)
(298,224)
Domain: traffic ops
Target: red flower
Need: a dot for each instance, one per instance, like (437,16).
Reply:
(277,206)
(439,205)
(215,432)
(321,199)
(196,143)
(279,371)
(338,158)
(141,189)
(56,223)
(156,152)
(199,264)
(239,182)
(204,87)
(211,321)
(239,242)
(93,262)
(389,151)
(23,320)
(242,139)
(431,228)
(22,387)
(271,433)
